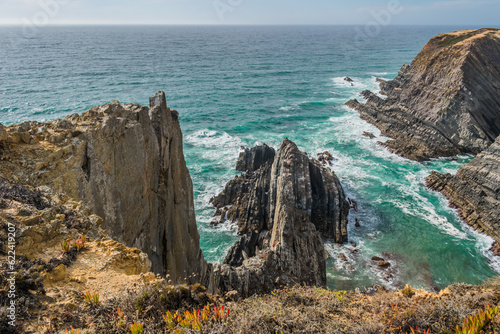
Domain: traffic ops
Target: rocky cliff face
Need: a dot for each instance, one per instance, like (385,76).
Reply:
(125,161)
(252,159)
(475,190)
(446,102)
(282,209)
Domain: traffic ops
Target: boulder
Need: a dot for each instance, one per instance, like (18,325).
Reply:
(383,264)
(369,135)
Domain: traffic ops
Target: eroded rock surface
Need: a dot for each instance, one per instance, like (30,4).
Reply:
(446,102)
(475,190)
(252,159)
(283,209)
(50,278)
(125,161)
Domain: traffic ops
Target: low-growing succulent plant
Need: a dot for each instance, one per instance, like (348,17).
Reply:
(475,323)
(65,246)
(73,331)
(136,328)
(92,298)
(196,319)
(416,331)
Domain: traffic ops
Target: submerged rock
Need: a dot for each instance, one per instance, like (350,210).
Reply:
(282,210)
(369,135)
(384,264)
(326,158)
(475,190)
(446,102)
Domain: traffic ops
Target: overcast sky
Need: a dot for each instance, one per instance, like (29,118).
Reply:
(454,12)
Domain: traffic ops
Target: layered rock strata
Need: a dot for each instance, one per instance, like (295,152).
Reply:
(475,190)
(252,159)
(283,209)
(446,102)
(124,161)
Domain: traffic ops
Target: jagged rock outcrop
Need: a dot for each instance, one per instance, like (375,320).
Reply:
(282,210)
(124,161)
(446,102)
(475,190)
(252,159)
(248,197)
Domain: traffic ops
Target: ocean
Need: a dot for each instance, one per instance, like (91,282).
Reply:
(246,85)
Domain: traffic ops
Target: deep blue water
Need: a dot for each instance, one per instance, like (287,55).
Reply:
(237,86)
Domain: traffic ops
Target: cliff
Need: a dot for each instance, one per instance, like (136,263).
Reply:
(60,252)
(51,285)
(283,208)
(446,102)
(126,163)
(475,190)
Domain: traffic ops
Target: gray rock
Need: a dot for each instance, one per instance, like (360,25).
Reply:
(369,135)
(475,190)
(280,210)
(446,102)
(127,165)
(252,159)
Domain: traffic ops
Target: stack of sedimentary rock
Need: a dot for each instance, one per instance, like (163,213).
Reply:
(284,204)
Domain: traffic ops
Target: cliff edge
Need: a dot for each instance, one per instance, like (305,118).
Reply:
(126,162)
(446,102)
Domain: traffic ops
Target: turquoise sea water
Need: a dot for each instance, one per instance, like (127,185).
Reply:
(237,86)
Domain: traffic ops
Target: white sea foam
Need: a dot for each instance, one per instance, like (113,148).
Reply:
(381,74)
(420,206)
(357,83)
(210,138)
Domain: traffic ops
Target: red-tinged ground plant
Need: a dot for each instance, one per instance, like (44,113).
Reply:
(79,245)
(73,331)
(416,331)
(121,317)
(92,298)
(475,323)
(65,246)
(136,328)
(197,319)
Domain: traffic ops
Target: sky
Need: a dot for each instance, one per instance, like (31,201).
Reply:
(264,12)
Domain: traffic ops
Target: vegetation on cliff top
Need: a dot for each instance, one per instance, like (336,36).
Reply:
(295,310)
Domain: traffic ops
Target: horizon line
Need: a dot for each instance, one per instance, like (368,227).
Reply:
(240,24)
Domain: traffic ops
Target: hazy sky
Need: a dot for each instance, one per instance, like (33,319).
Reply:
(453,12)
